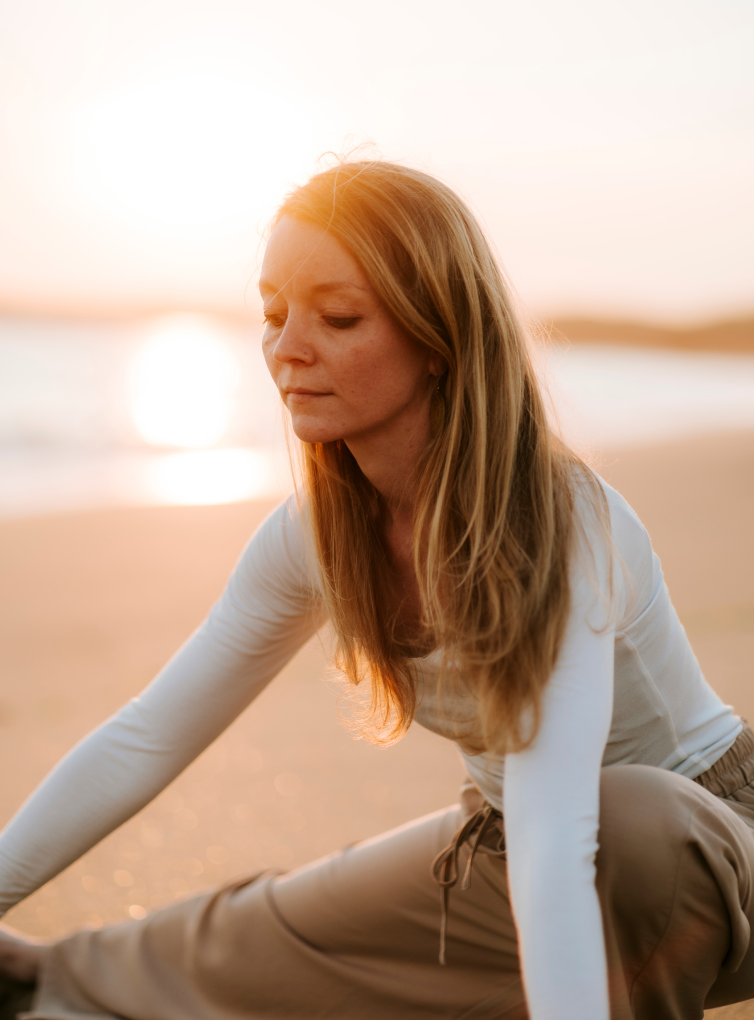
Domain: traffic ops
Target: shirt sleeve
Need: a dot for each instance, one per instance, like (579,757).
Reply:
(551,811)
(268,610)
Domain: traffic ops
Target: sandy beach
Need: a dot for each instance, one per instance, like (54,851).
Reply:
(94,603)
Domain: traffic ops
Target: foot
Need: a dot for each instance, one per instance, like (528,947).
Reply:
(20,955)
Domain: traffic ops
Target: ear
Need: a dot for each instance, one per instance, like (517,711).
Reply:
(437,365)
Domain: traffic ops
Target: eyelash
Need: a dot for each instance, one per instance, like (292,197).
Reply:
(277,321)
(341,323)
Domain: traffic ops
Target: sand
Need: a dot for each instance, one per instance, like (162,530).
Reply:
(94,603)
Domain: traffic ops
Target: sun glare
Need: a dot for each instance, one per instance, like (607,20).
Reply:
(206,477)
(183,382)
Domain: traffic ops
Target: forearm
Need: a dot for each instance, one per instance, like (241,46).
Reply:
(122,765)
(266,613)
(551,811)
(559,922)
(125,763)
(94,789)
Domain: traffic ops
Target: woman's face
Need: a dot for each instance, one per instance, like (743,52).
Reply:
(344,369)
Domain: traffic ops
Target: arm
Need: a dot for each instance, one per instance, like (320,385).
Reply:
(551,810)
(265,614)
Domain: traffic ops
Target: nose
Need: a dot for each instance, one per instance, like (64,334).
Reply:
(292,343)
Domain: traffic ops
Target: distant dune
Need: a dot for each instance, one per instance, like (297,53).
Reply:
(733,335)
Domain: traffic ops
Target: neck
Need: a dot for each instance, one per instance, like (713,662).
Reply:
(389,459)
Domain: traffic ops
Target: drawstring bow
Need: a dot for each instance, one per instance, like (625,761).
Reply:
(445,865)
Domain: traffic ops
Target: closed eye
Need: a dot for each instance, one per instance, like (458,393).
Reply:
(275,321)
(341,323)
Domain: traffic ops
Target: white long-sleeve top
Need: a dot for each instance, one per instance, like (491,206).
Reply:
(626,688)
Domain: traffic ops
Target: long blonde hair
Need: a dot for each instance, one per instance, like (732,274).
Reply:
(494,515)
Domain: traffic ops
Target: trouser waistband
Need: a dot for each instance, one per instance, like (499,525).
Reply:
(734,770)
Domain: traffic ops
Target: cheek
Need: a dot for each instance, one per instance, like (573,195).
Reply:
(365,383)
(388,371)
(268,350)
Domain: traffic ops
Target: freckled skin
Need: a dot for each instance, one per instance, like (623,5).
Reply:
(369,384)
(363,379)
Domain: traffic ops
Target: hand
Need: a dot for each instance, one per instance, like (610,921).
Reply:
(20,955)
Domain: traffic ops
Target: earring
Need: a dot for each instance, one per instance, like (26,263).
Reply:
(437,411)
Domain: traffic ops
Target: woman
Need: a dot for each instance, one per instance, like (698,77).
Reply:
(482,581)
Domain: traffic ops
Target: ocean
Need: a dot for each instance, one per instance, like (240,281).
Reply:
(181,410)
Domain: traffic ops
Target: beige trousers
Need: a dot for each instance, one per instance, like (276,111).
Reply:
(355,936)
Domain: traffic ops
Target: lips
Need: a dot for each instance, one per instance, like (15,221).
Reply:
(300,391)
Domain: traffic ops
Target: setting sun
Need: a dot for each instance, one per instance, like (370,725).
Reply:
(182,385)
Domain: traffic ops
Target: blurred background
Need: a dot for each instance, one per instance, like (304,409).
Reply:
(608,150)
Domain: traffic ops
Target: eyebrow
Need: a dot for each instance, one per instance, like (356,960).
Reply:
(320,288)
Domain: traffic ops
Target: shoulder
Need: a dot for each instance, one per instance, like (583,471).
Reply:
(611,539)
(630,537)
(636,571)
(602,512)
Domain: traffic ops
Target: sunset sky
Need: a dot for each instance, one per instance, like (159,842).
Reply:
(607,147)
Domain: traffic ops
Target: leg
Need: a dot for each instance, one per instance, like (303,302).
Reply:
(356,934)
(353,935)
(674,874)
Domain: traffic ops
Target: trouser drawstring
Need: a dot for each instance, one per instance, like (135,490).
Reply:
(445,865)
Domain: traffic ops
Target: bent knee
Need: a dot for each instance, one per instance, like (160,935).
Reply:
(670,849)
(641,798)
(645,815)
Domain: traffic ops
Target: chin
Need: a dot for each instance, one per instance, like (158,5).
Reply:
(313,432)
